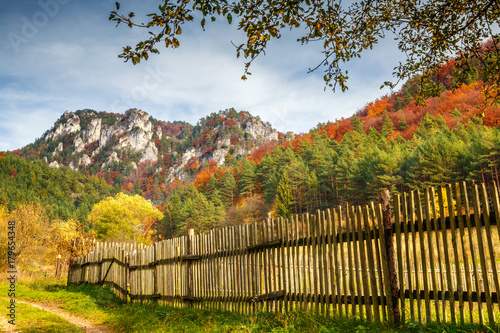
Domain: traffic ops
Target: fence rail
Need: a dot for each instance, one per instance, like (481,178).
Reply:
(435,259)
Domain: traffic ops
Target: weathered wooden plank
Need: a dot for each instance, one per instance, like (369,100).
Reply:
(256,290)
(350,241)
(399,244)
(482,255)
(282,264)
(357,275)
(272,253)
(432,247)
(321,260)
(339,276)
(454,244)
(297,271)
(465,257)
(288,270)
(371,265)
(378,252)
(421,238)
(364,269)
(241,267)
(308,265)
(332,277)
(387,283)
(248,268)
(294,257)
(314,259)
(489,238)
(265,260)
(496,208)
(304,272)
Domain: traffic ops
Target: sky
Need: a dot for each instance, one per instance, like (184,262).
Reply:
(59,55)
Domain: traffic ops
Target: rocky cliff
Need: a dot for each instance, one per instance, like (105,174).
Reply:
(92,141)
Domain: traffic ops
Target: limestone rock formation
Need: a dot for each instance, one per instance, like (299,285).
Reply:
(101,141)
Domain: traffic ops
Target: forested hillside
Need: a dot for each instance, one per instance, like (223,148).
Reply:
(65,194)
(231,168)
(391,143)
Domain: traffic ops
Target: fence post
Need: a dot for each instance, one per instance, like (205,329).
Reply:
(189,263)
(69,280)
(155,272)
(58,266)
(389,250)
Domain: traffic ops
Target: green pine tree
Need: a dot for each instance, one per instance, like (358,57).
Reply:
(228,188)
(246,178)
(356,124)
(387,126)
(402,124)
(284,199)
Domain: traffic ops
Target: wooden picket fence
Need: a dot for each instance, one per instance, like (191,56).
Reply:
(416,264)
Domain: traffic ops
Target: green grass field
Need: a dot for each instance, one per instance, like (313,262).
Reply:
(103,308)
(30,319)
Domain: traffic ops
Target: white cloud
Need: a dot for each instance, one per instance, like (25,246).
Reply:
(72,64)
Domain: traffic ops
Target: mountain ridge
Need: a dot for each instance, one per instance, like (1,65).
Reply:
(98,142)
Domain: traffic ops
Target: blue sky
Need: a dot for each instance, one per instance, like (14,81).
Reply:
(59,55)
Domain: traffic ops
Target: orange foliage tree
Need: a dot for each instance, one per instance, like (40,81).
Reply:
(378,106)
(261,151)
(204,175)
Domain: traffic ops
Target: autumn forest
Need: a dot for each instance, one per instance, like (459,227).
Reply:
(396,142)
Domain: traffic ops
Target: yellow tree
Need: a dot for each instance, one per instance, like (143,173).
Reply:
(32,239)
(4,220)
(69,238)
(124,218)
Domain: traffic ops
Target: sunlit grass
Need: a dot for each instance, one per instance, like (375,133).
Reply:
(102,307)
(31,319)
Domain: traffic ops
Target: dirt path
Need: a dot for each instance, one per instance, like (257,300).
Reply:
(86,325)
(5,326)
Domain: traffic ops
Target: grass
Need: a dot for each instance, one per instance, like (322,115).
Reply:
(101,306)
(30,319)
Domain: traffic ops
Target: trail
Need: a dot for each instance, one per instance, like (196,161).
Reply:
(5,326)
(84,324)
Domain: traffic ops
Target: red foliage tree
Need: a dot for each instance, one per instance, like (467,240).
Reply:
(13,172)
(229,123)
(211,122)
(377,107)
(128,187)
(166,159)
(261,151)
(204,176)
(193,164)
(169,129)
(300,138)
(234,139)
(198,142)
(343,126)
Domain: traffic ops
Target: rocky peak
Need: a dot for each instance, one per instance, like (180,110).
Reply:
(135,119)
(97,141)
(258,129)
(92,132)
(68,123)
(131,132)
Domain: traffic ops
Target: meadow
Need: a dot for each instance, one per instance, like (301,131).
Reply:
(110,314)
